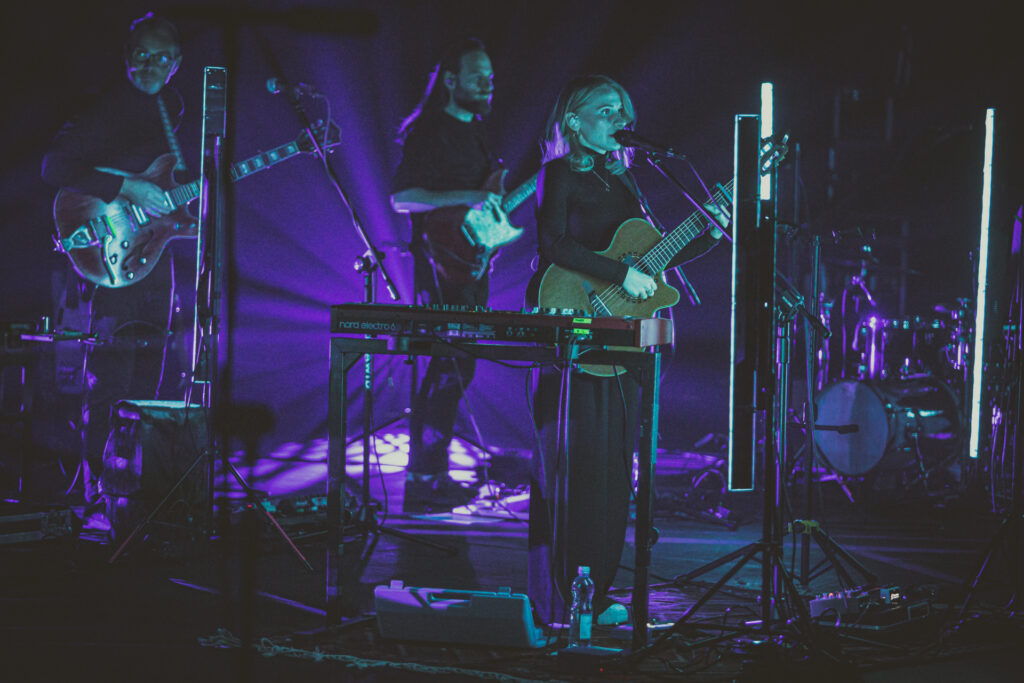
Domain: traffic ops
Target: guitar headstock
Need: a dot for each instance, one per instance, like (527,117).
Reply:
(773,151)
(328,136)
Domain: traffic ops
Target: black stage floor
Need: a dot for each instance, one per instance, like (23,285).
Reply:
(169,609)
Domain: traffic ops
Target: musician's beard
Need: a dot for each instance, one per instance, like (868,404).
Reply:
(148,82)
(480,107)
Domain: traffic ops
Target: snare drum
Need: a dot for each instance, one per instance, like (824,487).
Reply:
(891,425)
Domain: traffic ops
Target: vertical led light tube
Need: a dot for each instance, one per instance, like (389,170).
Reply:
(744,308)
(980,299)
(732,320)
(767,130)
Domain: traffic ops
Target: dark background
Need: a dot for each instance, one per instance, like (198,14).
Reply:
(912,175)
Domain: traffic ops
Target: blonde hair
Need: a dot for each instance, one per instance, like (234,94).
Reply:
(561,141)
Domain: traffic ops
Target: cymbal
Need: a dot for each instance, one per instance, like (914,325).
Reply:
(871,265)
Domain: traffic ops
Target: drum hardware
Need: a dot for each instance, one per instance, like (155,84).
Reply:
(844,314)
(899,348)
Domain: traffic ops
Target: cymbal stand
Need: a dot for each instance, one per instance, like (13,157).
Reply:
(1010,534)
(808,529)
(854,291)
(215,300)
(365,519)
(369,264)
(781,605)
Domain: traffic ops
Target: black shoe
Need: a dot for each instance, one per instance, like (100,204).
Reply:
(435,494)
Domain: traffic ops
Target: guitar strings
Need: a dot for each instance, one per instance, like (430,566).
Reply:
(658,254)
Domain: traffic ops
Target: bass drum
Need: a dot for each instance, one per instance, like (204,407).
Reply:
(866,425)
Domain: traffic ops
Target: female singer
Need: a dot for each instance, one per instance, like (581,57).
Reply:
(582,474)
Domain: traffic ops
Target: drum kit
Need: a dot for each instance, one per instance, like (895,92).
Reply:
(890,393)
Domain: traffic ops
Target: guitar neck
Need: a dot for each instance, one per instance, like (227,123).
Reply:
(183,194)
(658,257)
(519,195)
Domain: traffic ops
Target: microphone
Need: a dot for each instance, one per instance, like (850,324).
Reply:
(276,86)
(628,138)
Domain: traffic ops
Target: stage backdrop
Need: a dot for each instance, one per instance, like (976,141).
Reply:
(886,107)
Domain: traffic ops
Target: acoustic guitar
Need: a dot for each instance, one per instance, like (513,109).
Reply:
(640,245)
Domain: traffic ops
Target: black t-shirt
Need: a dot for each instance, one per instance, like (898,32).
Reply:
(121,129)
(441,154)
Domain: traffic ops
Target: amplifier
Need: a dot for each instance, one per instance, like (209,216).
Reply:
(441,615)
(24,523)
(150,446)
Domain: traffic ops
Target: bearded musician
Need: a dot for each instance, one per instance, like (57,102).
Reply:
(446,159)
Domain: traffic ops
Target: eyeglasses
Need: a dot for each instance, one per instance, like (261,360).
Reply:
(139,56)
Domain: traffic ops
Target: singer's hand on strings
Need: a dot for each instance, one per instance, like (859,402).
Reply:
(639,285)
(720,217)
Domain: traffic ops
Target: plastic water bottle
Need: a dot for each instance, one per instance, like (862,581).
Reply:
(581,614)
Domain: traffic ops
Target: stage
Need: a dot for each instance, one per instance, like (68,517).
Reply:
(169,608)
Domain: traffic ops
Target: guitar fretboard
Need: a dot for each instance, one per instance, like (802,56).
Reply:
(659,256)
(519,195)
(183,194)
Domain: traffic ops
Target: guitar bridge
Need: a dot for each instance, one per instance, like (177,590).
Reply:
(595,301)
(84,236)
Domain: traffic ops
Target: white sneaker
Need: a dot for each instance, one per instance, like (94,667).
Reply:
(613,615)
(93,488)
(96,521)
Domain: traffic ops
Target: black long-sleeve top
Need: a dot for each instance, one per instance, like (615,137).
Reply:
(121,129)
(579,214)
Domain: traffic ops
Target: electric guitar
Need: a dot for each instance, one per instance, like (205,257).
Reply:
(117,244)
(461,241)
(642,246)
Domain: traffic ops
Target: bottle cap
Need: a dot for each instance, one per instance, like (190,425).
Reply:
(583,571)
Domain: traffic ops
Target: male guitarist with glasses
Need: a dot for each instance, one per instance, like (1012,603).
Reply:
(122,133)
(448,171)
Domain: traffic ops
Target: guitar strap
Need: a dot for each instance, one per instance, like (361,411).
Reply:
(630,182)
(172,136)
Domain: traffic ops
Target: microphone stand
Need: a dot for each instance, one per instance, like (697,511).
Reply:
(369,263)
(655,163)
(691,291)
(374,254)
